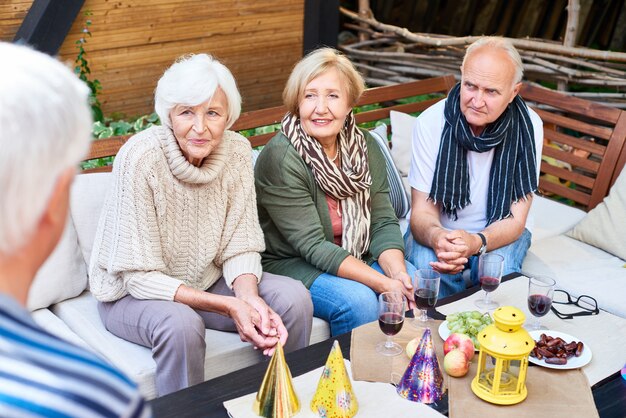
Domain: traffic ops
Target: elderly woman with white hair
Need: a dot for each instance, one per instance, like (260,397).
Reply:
(178,243)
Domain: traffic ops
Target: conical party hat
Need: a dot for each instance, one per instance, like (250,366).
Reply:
(422,381)
(334,396)
(276,397)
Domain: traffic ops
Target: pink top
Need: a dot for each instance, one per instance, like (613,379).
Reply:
(334,210)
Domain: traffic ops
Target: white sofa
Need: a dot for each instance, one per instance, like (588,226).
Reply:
(577,267)
(61,302)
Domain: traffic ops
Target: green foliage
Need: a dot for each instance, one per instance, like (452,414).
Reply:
(84,72)
(109,127)
(260,130)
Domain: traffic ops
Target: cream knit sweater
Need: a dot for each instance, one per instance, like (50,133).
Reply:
(166,222)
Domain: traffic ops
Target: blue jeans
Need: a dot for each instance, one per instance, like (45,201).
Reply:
(345,303)
(421,256)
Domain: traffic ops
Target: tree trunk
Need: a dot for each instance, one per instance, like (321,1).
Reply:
(571,31)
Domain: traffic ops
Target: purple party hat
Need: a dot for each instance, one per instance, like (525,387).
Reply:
(422,381)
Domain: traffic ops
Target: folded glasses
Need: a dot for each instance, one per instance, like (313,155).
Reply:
(588,304)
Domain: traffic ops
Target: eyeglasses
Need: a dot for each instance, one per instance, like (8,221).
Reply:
(588,304)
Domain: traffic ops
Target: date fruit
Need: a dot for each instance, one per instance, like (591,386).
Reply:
(556,350)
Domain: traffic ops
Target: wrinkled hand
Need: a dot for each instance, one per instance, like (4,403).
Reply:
(248,322)
(452,249)
(270,325)
(401,283)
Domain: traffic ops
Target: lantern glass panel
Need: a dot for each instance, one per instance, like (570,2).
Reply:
(510,377)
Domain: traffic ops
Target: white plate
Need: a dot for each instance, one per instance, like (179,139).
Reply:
(572,362)
(443,330)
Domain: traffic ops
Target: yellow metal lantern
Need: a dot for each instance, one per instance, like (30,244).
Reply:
(503,358)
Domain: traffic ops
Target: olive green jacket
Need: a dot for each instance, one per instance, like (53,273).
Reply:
(294,214)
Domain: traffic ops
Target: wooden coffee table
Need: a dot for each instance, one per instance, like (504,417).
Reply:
(206,399)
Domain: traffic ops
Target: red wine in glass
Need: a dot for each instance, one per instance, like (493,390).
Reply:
(425,298)
(489,284)
(539,305)
(390,323)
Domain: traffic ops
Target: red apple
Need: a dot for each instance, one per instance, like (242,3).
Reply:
(455,363)
(461,342)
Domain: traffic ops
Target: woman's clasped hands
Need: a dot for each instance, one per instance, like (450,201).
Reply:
(256,322)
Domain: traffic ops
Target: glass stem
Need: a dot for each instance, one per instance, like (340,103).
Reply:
(424,315)
(389,342)
(487,301)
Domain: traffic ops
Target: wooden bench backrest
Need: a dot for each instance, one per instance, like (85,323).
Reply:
(588,137)
(387,96)
(568,121)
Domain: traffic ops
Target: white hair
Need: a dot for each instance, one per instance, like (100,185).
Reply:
(498,42)
(45,128)
(192,80)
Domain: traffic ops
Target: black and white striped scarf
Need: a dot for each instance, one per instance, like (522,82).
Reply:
(350,184)
(513,171)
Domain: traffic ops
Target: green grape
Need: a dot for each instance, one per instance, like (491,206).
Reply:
(474,322)
(469,323)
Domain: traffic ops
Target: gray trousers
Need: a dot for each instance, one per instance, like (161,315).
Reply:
(175,332)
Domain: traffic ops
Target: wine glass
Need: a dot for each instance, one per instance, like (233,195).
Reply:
(540,295)
(391,309)
(490,268)
(426,285)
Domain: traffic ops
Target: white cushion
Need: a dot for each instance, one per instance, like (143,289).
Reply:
(552,218)
(62,276)
(605,225)
(320,331)
(580,269)
(397,195)
(53,324)
(225,352)
(401,152)
(86,200)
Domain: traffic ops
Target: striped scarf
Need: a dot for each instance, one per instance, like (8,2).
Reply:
(350,184)
(513,171)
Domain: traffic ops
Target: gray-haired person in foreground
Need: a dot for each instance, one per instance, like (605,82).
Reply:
(474,170)
(45,127)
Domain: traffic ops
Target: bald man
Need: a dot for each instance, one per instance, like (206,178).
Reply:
(474,170)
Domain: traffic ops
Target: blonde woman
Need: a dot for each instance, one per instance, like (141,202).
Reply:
(323,198)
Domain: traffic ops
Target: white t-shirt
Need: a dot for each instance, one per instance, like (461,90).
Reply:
(425,147)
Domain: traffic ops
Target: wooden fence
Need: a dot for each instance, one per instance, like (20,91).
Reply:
(134,41)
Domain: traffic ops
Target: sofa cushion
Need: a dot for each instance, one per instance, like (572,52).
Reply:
(551,218)
(399,199)
(86,200)
(401,150)
(62,276)
(605,225)
(225,352)
(580,269)
(54,325)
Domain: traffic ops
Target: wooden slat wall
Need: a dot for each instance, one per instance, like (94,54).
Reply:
(134,41)
(12,13)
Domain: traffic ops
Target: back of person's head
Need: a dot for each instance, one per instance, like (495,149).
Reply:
(316,63)
(192,80)
(498,43)
(45,128)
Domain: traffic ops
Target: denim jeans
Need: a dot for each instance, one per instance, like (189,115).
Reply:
(345,303)
(421,256)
